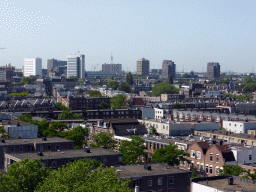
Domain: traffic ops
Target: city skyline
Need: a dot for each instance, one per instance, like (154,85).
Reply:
(189,33)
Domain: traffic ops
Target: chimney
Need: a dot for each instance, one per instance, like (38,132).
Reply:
(44,138)
(2,141)
(147,167)
(39,153)
(87,150)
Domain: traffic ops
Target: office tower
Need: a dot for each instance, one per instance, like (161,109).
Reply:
(52,63)
(213,70)
(32,66)
(168,68)
(75,66)
(117,68)
(143,67)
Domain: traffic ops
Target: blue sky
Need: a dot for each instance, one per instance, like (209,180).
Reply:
(189,32)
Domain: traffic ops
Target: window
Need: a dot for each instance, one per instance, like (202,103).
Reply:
(104,160)
(12,149)
(198,167)
(57,147)
(250,157)
(192,153)
(71,146)
(210,156)
(49,147)
(120,158)
(217,158)
(160,181)
(150,182)
(171,180)
(160,190)
(217,171)
(210,169)
(21,149)
(4,149)
(54,164)
(198,155)
(206,168)
(202,167)
(62,163)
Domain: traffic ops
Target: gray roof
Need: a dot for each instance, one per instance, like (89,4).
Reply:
(13,122)
(34,140)
(139,171)
(77,153)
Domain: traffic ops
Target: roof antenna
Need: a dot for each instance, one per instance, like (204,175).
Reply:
(111,58)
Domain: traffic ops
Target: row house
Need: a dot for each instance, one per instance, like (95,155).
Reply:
(78,103)
(229,137)
(11,146)
(208,160)
(27,105)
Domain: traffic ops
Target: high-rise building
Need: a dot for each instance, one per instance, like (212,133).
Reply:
(143,67)
(32,66)
(117,68)
(168,68)
(52,63)
(75,66)
(213,70)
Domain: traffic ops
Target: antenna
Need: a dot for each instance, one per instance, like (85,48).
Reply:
(2,50)
(111,58)
(183,69)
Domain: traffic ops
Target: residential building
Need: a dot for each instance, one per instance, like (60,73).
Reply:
(11,146)
(143,67)
(222,184)
(76,66)
(172,97)
(32,66)
(239,126)
(19,129)
(57,159)
(156,177)
(168,68)
(117,68)
(213,70)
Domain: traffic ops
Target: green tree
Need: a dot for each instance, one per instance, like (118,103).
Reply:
(231,170)
(24,94)
(170,155)
(80,91)
(113,84)
(164,88)
(66,114)
(26,117)
(4,134)
(129,78)
(104,105)
(249,175)
(124,87)
(60,106)
(177,106)
(78,135)
(119,102)
(132,150)
(24,176)
(78,176)
(104,140)
(73,77)
(170,79)
(153,130)
(94,93)
(25,80)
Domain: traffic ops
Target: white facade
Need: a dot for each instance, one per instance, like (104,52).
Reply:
(195,187)
(212,93)
(160,113)
(76,66)
(239,126)
(32,66)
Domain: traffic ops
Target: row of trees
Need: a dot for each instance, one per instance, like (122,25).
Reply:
(80,175)
(24,94)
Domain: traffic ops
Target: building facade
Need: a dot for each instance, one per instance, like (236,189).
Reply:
(213,70)
(143,67)
(168,68)
(117,68)
(52,63)
(76,66)
(32,66)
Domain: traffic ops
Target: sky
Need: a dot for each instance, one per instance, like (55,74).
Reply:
(188,32)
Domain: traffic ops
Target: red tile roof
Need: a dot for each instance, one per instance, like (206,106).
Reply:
(138,101)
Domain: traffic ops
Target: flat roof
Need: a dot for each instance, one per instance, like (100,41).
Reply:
(228,134)
(222,184)
(74,153)
(13,122)
(34,140)
(138,170)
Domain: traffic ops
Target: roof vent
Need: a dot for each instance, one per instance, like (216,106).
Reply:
(87,150)
(39,153)
(147,167)
(44,138)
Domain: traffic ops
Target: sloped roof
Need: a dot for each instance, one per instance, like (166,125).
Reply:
(121,128)
(226,152)
(138,101)
(204,146)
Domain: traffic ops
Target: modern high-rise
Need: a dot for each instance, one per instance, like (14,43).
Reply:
(168,68)
(143,67)
(75,66)
(52,63)
(117,68)
(213,70)
(32,66)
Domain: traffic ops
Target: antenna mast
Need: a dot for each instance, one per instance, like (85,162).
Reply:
(111,58)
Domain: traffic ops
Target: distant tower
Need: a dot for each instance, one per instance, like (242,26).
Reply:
(111,58)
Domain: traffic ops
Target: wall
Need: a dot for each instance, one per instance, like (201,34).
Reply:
(22,131)
(195,187)
(207,126)
(148,112)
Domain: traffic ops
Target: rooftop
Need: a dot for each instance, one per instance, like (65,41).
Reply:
(227,133)
(16,123)
(34,140)
(65,154)
(139,171)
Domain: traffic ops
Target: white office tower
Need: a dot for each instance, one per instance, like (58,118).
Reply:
(32,66)
(75,66)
